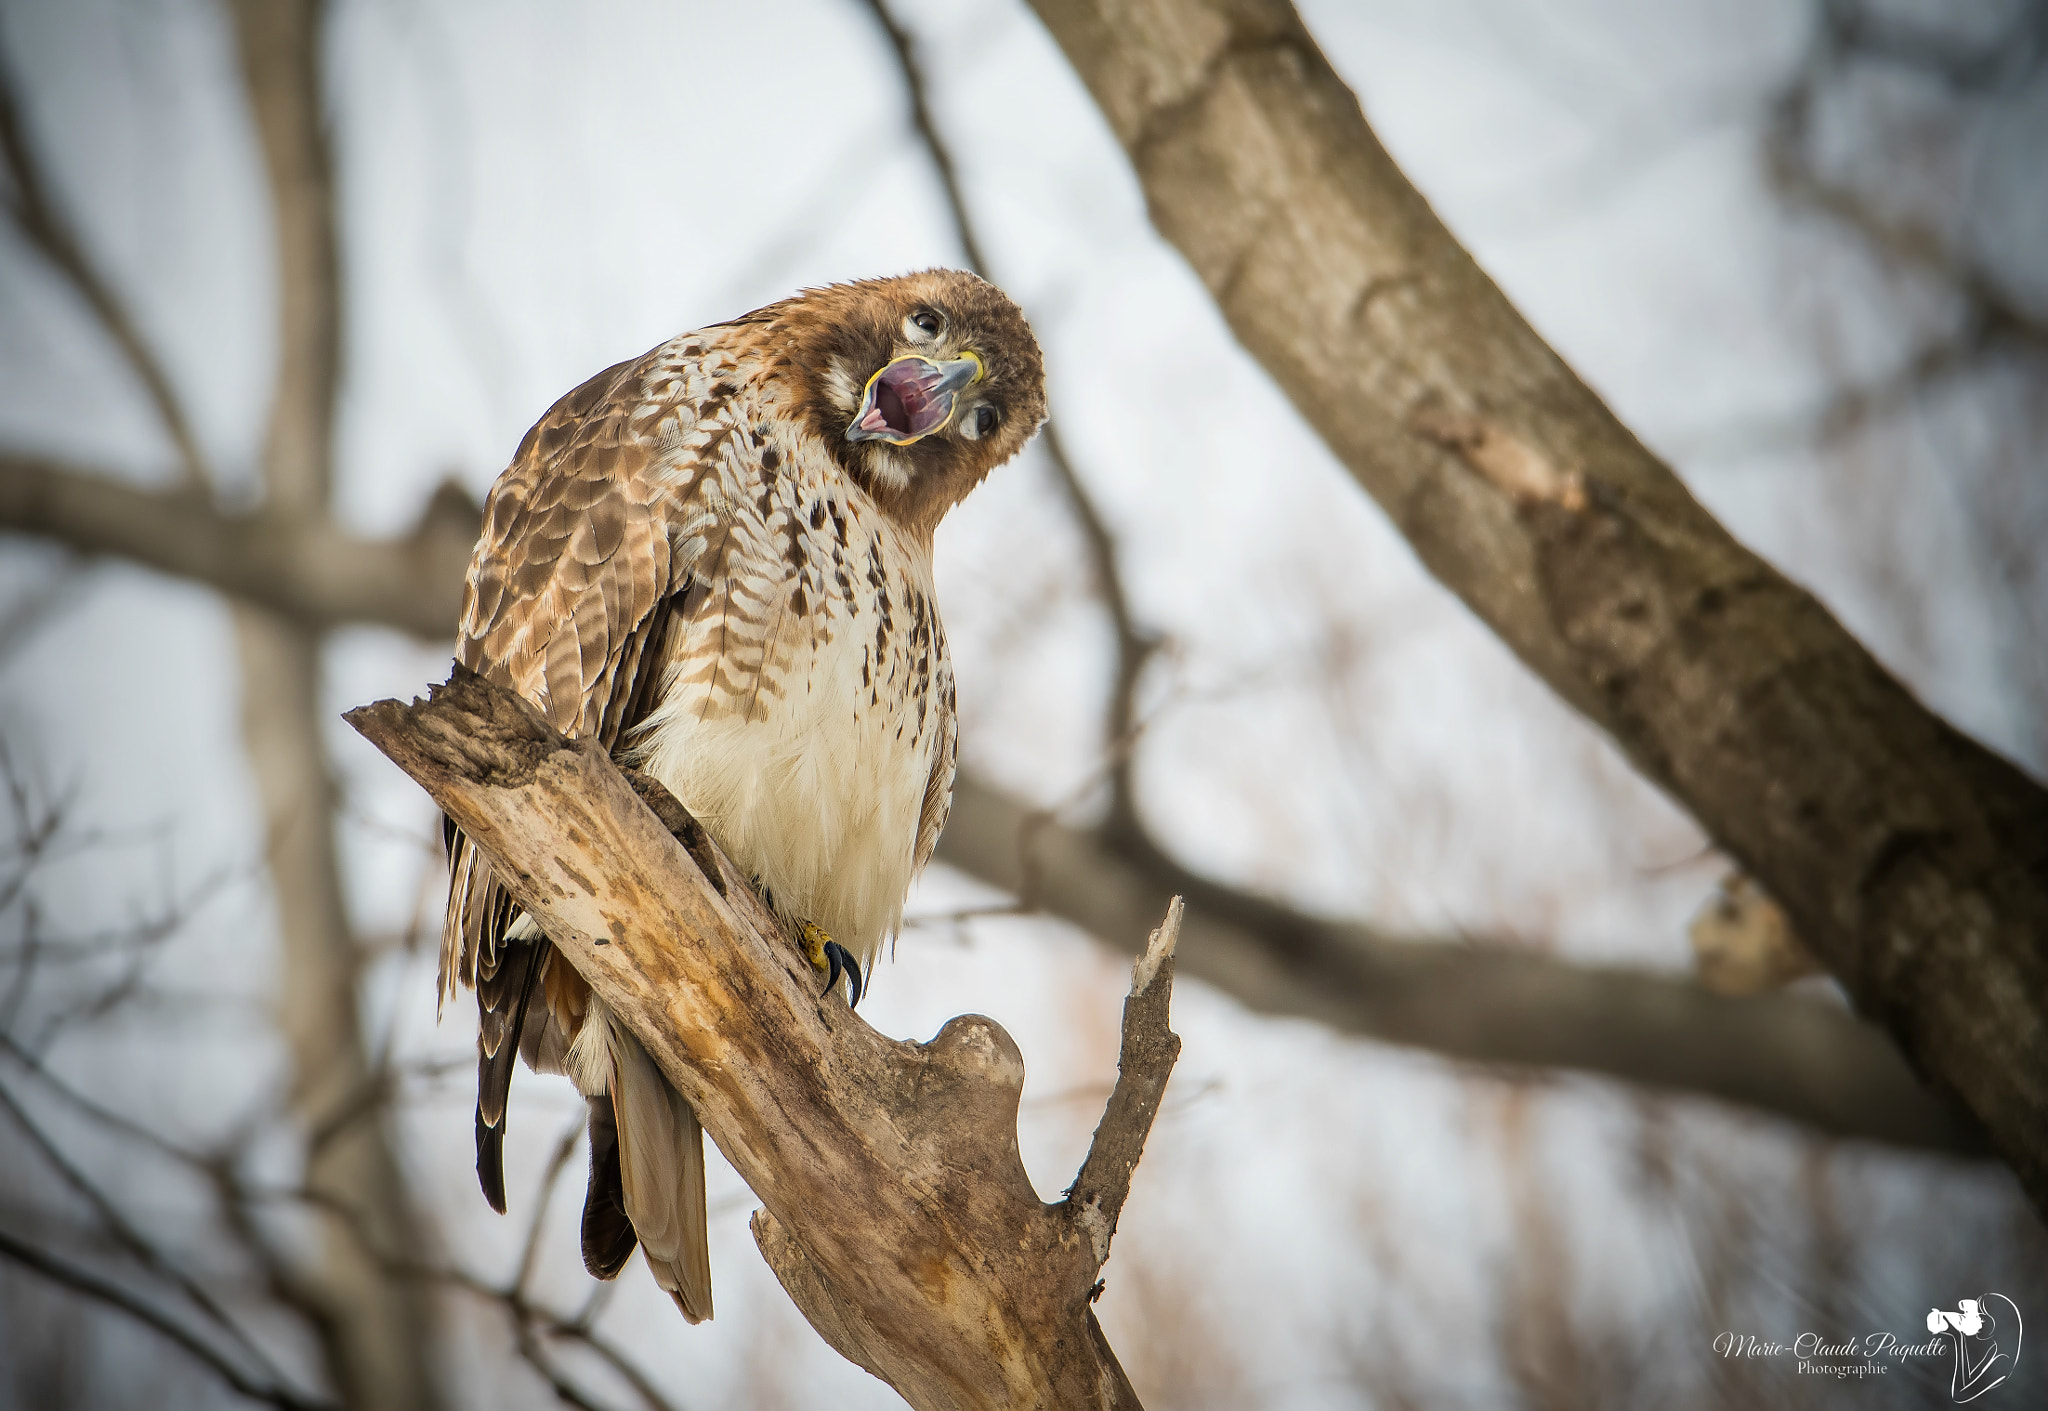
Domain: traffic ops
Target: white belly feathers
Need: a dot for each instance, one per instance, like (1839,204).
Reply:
(799,721)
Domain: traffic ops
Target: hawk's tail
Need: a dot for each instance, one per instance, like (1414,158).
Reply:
(502,1002)
(646,1168)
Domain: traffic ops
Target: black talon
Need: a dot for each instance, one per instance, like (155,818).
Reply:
(838,958)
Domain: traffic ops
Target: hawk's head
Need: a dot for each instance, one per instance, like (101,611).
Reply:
(921,384)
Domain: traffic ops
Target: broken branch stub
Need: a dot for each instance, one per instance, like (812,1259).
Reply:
(895,1207)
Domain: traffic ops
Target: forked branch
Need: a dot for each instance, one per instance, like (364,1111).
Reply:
(895,1207)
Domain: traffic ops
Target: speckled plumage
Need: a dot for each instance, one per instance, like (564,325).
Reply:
(690,560)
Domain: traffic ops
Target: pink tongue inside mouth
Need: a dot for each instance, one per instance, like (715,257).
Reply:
(901,404)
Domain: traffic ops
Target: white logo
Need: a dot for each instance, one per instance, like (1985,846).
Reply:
(1980,1363)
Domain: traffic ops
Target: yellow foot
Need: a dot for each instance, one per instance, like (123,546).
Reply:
(815,939)
(828,955)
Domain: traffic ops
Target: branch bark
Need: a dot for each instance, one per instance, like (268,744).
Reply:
(1913,861)
(951,1281)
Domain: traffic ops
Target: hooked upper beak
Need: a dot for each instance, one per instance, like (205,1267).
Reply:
(911,398)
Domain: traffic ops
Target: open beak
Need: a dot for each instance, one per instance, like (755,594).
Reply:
(911,398)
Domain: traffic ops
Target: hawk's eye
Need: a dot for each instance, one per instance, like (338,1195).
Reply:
(923,326)
(979,422)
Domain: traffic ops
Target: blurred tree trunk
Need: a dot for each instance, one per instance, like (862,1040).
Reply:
(376,1327)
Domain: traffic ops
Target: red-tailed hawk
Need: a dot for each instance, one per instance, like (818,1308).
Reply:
(717,559)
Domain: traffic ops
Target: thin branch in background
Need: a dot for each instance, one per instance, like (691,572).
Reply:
(30,958)
(529,1320)
(1134,645)
(1976,73)
(35,215)
(128,1237)
(566,1391)
(565,1147)
(112,1295)
(38,822)
(287,1287)
(613,1355)
(1988,321)
(236,1203)
(1961,61)
(239,1201)
(135,947)
(92,1109)
(55,592)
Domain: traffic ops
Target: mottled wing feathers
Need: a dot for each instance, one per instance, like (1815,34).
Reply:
(565,604)
(561,604)
(574,555)
(938,791)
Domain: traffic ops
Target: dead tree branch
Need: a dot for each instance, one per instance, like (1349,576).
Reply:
(955,1283)
(1912,860)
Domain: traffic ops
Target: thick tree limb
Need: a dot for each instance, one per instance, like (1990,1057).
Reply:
(303,568)
(1911,859)
(1779,1054)
(896,1209)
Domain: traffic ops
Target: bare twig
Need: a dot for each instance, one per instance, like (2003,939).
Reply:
(128,1237)
(113,1295)
(1989,321)
(566,1391)
(565,1147)
(42,604)
(96,1111)
(1146,1059)
(35,215)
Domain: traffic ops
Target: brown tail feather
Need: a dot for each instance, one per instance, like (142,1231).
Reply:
(497,1043)
(661,1175)
(608,1237)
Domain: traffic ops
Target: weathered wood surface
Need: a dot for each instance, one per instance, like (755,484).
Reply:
(895,1207)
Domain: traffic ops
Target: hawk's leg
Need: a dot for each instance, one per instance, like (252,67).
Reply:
(828,955)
